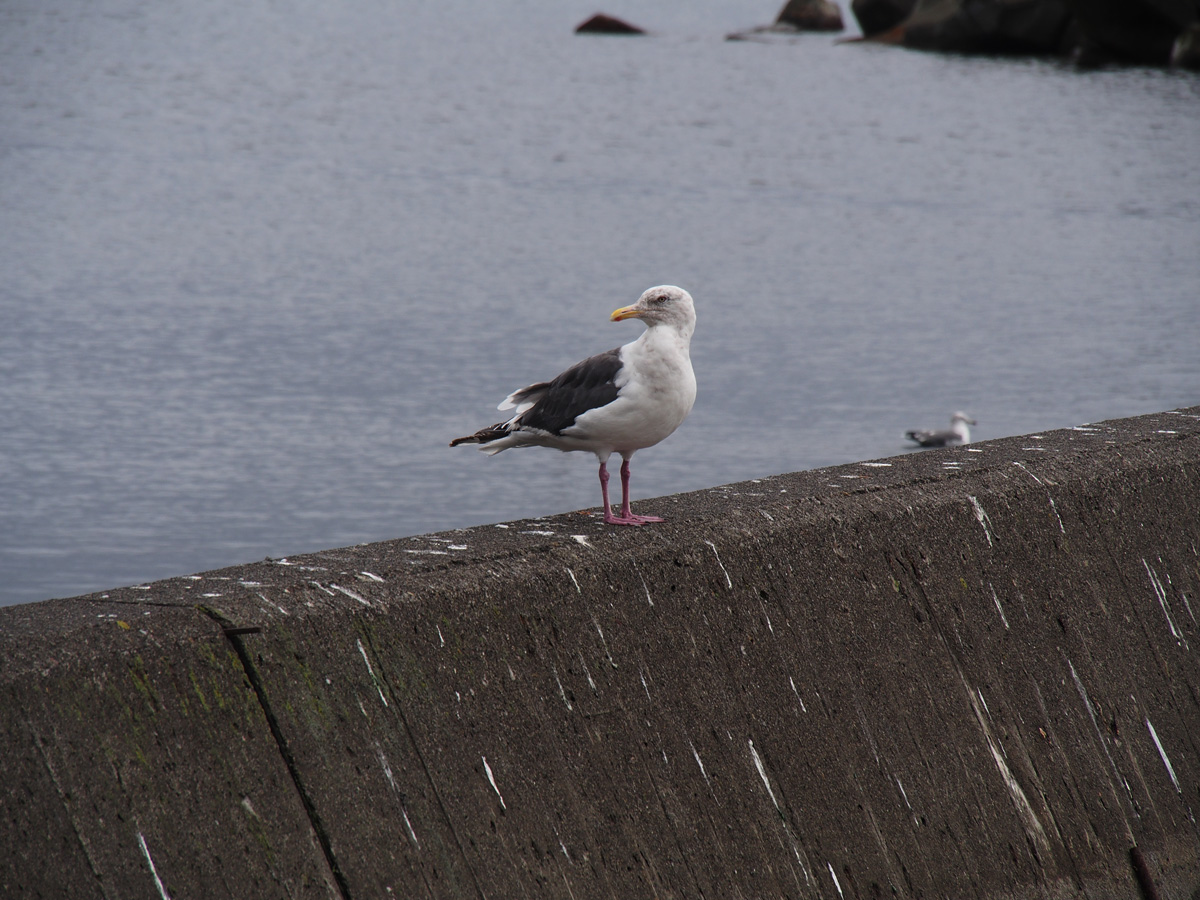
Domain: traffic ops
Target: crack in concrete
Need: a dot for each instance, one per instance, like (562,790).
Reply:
(234,635)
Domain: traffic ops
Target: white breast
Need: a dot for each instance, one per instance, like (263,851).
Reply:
(657,389)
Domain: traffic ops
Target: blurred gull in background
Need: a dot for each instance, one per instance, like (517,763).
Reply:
(957,433)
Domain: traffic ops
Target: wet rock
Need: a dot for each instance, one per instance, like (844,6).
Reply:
(810,15)
(1185,54)
(877,16)
(796,15)
(603,24)
(1133,31)
(987,26)
(1093,32)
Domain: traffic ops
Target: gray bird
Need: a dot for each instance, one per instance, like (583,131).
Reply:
(616,402)
(957,433)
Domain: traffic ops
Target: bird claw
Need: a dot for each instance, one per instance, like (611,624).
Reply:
(631,519)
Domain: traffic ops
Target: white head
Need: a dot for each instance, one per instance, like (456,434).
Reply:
(662,305)
(958,424)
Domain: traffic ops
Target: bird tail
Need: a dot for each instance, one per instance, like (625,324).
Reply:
(483,435)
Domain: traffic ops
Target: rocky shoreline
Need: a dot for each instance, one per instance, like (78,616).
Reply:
(1091,33)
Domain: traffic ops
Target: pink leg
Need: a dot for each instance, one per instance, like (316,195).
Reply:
(626,512)
(608,515)
(626,517)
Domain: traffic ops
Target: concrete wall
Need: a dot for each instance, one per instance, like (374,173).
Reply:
(962,673)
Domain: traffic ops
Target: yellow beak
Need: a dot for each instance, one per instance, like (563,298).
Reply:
(625,312)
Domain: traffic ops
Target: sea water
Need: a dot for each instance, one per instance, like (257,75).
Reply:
(261,261)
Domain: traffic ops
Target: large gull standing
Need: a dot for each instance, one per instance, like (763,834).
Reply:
(958,433)
(614,402)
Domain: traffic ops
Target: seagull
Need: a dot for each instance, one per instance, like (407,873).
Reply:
(619,401)
(958,433)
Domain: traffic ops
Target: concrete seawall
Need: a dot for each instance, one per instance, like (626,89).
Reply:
(969,673)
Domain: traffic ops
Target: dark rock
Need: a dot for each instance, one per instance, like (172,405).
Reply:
(811,15)
(602,24)
(987,26)
(796,16)
(1133,31)
(1185,54)
(877,16)
(1087,54)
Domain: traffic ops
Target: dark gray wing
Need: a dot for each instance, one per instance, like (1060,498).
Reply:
(586,385)
(933,438)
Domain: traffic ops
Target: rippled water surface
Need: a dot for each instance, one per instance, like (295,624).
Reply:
(262,261)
